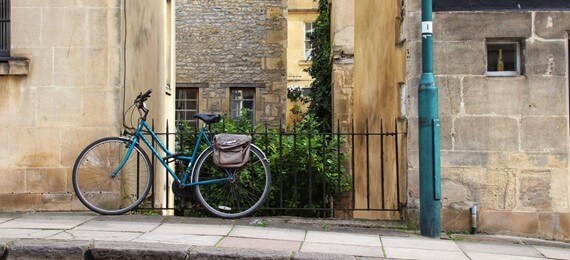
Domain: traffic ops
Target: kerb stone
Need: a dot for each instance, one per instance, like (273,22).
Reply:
(47,249)
(124,250)
(206,253)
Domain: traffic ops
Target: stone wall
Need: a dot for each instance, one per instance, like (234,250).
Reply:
(504,140)
(68,90)
(68,97)
(342,44)
(234,43)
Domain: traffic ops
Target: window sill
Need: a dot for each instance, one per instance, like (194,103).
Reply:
(502,74)
(305,62)
(15,66)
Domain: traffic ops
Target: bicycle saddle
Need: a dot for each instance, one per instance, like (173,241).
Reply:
(209,118)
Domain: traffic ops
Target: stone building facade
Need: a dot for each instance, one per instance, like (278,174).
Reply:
(71,67)
(505,132)
(232,55)
(505,128)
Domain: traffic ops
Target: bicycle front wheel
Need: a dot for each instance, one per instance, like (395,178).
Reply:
(243,191)
(104,192)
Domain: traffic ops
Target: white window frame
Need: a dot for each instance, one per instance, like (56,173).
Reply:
(511,73)
(306,55)
(239,101)
(191,121)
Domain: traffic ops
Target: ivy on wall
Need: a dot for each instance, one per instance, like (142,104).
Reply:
(321,69)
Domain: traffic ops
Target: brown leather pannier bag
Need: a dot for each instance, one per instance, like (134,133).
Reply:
(231,150)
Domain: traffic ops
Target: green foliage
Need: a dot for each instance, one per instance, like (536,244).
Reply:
(305,165)
(321,69)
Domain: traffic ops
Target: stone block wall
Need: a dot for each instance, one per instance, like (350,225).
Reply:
(70,68)
(504,140)
(234,43)
(66,97)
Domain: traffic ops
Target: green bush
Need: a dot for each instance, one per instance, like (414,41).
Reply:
(306,169)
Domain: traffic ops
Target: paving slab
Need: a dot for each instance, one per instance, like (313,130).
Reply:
(96,235)
(313,256)
(415,253)
(343,238)
(28,233)
(352,250)
(122,226)
(554,252)
(178,239)
(47,221)
(194,229)
(488,256)
(2,220)
(499,249)
(130,218)
(252,243)
(420,243)
(268,233)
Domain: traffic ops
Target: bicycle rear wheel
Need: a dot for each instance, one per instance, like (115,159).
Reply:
(238,197)
(98,189)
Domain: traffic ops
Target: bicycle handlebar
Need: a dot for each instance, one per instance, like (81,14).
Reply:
(139,101)
(143,97)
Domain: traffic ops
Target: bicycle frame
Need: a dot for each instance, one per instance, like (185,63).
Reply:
(138,135)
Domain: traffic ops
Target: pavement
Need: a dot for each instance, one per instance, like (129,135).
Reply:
(72,235)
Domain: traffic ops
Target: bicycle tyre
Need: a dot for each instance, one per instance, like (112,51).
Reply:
(102,193)
(232,199)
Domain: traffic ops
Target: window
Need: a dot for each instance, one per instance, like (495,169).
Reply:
(186,105)
(503,59)
(309,28)
(4,30)
(242,101)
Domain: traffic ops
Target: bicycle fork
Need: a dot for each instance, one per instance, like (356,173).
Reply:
(126,157)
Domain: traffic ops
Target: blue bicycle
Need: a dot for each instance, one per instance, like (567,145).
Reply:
(114,175)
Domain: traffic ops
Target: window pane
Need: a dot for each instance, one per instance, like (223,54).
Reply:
(191,104)
(248,105)
(242,100)
(186,105)
(502,57)
(306,92)
(249,95)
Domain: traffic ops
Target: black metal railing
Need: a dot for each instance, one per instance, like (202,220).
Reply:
(315,173)
(4,30)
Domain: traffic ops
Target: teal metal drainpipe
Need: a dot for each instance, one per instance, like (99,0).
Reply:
(429,139)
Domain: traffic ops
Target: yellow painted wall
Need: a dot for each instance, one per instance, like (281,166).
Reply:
(379,68)
(300,12)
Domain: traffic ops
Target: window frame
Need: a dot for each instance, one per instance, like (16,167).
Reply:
(307,40)
(5,32)
(232,101)
(518,62)
(192,121)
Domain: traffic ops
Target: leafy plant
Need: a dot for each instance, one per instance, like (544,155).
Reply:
(321,68)
(305,164)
